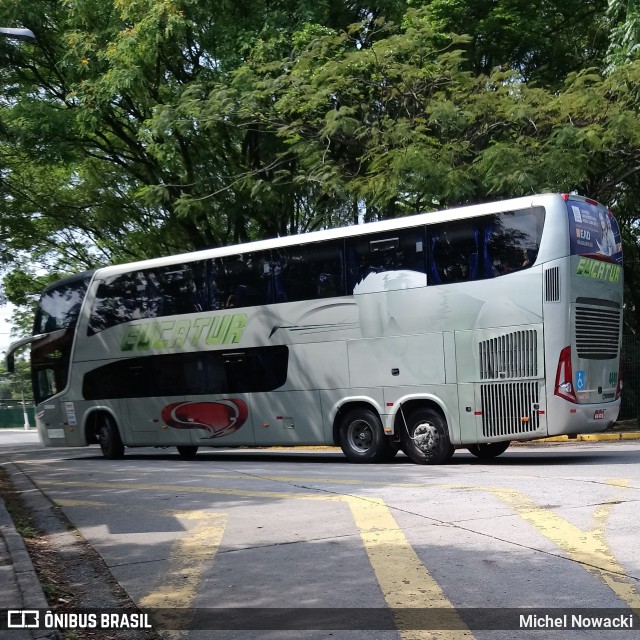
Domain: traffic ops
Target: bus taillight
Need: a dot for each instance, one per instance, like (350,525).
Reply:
(619,385)
(564,376)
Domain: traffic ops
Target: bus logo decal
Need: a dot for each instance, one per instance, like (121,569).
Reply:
(220,418)
(590,268)
(210,330)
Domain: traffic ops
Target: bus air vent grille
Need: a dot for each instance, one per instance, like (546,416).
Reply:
(508,408)
(552,284)
(597,332)
(513,355)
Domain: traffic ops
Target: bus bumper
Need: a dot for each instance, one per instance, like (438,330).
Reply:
(567,418)
(57,434)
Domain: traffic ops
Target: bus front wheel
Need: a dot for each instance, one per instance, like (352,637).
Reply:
(187,451)
(109,438)
(488,450)
(425,437)
(362,438)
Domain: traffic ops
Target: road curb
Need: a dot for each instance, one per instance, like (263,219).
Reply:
(582,437)
(29,590)
(595,437)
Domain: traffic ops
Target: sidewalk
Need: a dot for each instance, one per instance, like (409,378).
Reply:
(19,584)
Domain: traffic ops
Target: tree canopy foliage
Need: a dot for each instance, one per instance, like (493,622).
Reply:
(137,128)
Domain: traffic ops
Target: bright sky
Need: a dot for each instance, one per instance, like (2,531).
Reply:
(5,327)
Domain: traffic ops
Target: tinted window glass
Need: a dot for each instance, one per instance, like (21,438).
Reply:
(219,292)
(306,272)
(149,293)
(484,247)
(121,299)
(246,279)
(60,305)
(50,365)
(511,240)
(205,373)
(400,250)
(454,252)
(180,289)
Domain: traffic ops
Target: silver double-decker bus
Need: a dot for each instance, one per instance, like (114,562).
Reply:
(465,328)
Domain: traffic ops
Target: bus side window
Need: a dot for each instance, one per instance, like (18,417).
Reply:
(256,370)
(511,241)
(206,374)
(120,299)
(398,250)
(306,272)
(246,279)
(181,289)
(217,289)
(454,255)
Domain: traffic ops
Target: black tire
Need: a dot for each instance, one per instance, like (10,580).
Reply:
(392,451)
(362,437)
(187,451)
(489,450)
(425,438)
(109,438)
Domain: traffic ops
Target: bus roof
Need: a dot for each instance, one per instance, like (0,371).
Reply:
(458,213)
(75,277)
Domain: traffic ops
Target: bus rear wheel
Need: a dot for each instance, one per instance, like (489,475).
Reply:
(362,438)
(489,449)
(425,437)
(187,451)
(109,438)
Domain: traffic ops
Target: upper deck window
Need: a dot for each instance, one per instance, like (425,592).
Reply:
(400,250)
(512,240)
(148,293)
(485,247)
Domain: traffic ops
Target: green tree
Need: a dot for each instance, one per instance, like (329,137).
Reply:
(147,127)
(102,158)
(543,42)
(624,42)
(17,386)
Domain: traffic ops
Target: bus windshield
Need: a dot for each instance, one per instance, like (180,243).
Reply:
(57,314)
(60,304)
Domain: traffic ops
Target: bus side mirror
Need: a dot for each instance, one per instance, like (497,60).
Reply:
(10,354)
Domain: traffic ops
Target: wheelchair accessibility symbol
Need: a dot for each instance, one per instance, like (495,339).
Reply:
(580,380)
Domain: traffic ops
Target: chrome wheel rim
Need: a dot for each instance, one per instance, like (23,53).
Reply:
(426,437)
(360,436)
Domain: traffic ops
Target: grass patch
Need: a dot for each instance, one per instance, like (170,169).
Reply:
(16,508)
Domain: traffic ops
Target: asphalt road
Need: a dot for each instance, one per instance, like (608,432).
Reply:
(544,527)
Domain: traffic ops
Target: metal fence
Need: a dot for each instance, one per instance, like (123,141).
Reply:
(12,415)
(630,409)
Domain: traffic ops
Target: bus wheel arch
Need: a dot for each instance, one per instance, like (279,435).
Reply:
(102,428)
(358,431)
(91,428)
(424,432)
